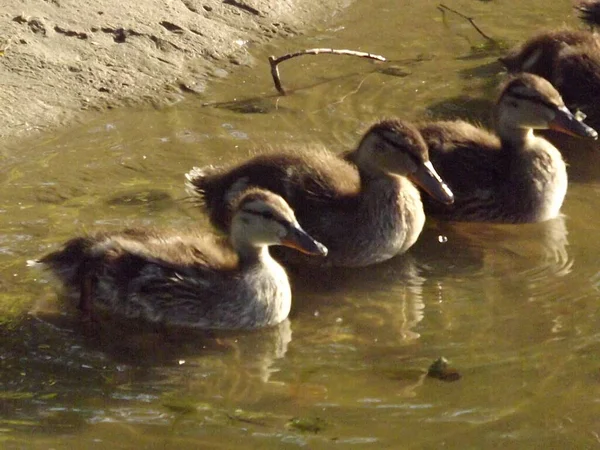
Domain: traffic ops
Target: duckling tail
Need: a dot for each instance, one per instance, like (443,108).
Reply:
(197,182)
(213,190)
(67,263)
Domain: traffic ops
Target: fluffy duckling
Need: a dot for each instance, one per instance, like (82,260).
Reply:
(514,176)
(569,59)
(364,208)
(190,280)
(589,12)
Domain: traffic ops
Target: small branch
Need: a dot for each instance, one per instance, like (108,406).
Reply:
(443,8)
(274,62)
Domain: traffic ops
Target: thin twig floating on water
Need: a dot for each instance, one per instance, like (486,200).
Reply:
(313,51)
(444,8)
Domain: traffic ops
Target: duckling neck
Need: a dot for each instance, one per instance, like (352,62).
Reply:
(250,254)
(537,175)
(266,284)
(367,169)
(514,138)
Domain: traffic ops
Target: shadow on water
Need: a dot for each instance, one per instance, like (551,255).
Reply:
(461,107)
(488,72)
(469,249)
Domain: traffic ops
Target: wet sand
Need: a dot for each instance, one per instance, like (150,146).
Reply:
(62,59)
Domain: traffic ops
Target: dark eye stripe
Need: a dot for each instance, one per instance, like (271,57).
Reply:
(267,215)
(533,99)
(407,152)
(389,141)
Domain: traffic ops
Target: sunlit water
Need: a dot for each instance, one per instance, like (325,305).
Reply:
(514,308)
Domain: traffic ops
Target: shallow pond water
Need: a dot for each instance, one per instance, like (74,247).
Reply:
(514,308)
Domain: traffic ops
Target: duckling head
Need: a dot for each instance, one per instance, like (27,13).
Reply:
(589,12)
(536,57)
(528,102)
(397,146)
(262,218)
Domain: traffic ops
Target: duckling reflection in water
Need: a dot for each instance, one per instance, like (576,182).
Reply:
(191,279)
(514,176)
(569,59)
(365,209)
(227,365)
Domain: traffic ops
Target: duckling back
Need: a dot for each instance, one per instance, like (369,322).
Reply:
(301,178)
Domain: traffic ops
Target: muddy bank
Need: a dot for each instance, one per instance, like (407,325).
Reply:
(59,58)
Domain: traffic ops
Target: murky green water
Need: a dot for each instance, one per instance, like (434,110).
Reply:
(515,308)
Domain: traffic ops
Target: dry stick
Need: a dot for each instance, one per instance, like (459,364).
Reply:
(313,51)
(443,7)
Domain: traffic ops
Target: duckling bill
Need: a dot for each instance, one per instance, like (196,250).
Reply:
(566,122)
(190,279)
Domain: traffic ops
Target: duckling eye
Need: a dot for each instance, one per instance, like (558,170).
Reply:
(267,215)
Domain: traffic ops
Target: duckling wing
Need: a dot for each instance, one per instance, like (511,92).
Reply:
(470,161)
(175,278)
(305,178)
(172,292)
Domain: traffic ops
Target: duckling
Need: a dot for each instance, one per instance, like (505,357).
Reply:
(569,59)
(363,208)
(514,176)
(193,279)
(589,12)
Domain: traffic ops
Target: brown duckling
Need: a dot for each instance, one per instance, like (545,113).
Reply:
(589,12)
(365,209)
(512,176)
(569,59)
(192,279)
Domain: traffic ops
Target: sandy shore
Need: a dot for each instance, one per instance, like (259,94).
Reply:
(61,57)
